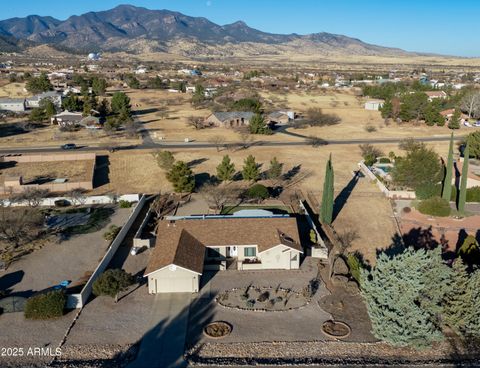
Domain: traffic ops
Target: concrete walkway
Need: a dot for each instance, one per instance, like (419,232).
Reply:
(163,345)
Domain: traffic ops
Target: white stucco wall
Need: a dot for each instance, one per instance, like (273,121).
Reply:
(280,257)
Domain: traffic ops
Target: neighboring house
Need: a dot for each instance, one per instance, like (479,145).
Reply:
(234,119)
(374,105)
(67,118)
(447,114)
(54,96)
(280,117)
(12,104)
(186,247)
(435,94)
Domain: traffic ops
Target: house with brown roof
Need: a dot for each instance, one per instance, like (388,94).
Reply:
(436,94)
(186,247)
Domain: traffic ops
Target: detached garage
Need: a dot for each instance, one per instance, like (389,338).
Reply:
(176,263)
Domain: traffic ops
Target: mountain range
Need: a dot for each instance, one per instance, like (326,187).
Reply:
(140,30)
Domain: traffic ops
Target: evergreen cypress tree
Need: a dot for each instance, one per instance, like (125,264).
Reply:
(226,169)
(463,181)
(447,181)
(326,209)
(250,169)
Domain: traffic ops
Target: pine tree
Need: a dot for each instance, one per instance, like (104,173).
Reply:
(326,210)
(257,125)
(463,181)
(454,122)
(250,169)
(181,176)
(275,169)
(447,181)
(401,302)
(226,169)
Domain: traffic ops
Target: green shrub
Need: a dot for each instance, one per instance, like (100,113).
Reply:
(258,191)
(250,303)
(355,266)
(45,306)
(112,282)
(384,160)
(426,191)
(370,159)
(124,204)
(111,233)
(473,194)
(435,206)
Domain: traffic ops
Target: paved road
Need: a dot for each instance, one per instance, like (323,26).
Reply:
(163,345)
(149,145)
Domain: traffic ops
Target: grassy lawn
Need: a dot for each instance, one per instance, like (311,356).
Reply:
(278,210)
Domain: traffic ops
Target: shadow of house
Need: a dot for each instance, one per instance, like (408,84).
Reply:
(102,171)
(343,196)
(165,344)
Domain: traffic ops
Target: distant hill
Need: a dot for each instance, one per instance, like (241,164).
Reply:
(137,30)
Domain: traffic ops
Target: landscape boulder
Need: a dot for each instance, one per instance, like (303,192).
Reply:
(340,267)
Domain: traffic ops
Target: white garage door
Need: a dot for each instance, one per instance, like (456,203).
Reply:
(175,285)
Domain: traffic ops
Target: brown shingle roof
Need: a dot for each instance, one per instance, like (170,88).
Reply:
(182,242)
(178,247)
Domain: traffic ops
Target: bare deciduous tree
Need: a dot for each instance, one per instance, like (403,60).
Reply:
(471,103)
(196,121)
(19,225)
(77,196)
(217,196)
(218,141)
(32,197)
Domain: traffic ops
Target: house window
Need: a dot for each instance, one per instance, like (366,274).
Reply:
(250,252)
(294,258)
(213,252)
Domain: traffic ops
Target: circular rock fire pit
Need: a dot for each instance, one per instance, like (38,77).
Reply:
(217,330)
(336,329)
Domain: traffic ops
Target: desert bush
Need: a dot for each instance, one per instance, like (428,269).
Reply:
(46,306)
(263,296)
(370,128)
(384,160)
(124,204)
(355,266)
(112,282)
(435,206)
(250,303)
(111,233)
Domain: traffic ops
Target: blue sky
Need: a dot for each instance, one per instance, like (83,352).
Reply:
(438,26)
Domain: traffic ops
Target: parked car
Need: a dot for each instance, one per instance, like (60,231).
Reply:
(69,146)
(61,203)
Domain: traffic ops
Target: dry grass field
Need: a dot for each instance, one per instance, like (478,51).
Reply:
(12,90)
(30,171)
(354,118)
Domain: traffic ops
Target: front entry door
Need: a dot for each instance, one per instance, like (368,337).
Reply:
(232,251)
